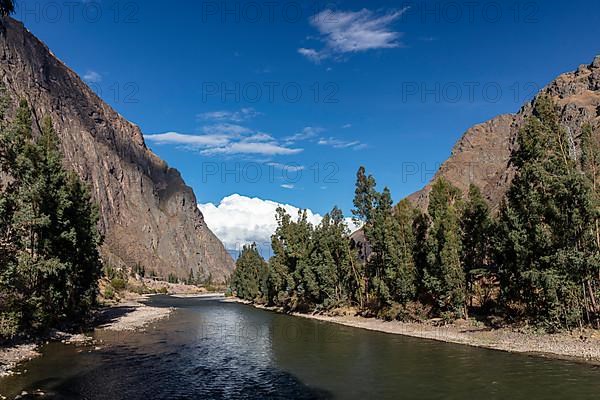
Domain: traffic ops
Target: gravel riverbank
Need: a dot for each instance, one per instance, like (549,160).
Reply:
(580,346)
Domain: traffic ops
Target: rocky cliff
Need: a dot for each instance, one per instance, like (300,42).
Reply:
(481,156)
(148,214)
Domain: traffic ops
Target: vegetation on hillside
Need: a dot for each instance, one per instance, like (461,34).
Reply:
(536,260)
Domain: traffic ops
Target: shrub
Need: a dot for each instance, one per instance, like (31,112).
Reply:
(9,325)
(118,284)
(109,293)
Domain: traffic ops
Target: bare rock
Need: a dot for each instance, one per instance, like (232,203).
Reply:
(482,155)
(148,214)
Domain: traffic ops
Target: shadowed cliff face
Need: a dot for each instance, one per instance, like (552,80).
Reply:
(482,155)
(148,214)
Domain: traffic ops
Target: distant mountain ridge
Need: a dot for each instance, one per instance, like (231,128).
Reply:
(482,155)
(147,213)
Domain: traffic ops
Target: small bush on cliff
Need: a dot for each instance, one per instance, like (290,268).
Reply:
(118,284)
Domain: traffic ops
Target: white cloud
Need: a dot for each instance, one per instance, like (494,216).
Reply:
(343,32)
(287,167)
(234,116)
(240,220)
(225,139)
(341,144)
(347,126)
(307,132)
(259,137)
(92,77)
(271,149)
(188,140)
(288,186)
(312,54)
(232,130)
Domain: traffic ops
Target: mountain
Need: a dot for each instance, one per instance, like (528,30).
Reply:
(148,214)
(482,155)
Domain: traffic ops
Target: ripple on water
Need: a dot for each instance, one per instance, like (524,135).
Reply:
(213,350)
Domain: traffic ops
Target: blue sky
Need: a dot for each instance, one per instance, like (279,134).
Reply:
(227,90)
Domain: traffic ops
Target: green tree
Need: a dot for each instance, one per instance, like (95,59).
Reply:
(379,231)
(546,224)
(390,268)
(51,266)
(289,276)
(364,196)
(477,231)
(249,278)
(402,273)
(590,165)
(331,278)
(444,276)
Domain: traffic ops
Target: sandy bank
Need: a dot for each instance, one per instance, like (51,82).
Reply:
(131,316)
(578,346)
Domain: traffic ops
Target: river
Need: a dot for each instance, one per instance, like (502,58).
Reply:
(209,349)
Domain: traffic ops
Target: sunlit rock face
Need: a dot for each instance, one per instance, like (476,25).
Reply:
(482,155)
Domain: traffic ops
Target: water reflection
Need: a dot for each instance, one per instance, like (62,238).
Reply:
(214,350)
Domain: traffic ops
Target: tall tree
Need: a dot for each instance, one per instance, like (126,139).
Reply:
(364,196)
(328,274)
(545,224)
(379,232)
(590,165)
(250,274)
(476,225)
(444,276)
(52,262)
(402,273)
(290,281)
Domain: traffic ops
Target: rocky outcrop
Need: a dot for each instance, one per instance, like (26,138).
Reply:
(148,214)
(482,155)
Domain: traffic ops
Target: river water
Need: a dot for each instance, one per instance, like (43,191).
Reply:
(210,349)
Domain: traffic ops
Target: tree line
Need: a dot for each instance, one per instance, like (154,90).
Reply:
(49,259)
(534,259)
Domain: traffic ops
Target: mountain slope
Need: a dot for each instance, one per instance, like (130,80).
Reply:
(148,214)
(482,155)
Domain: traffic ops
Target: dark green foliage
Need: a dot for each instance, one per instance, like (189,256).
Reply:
(291,245)
(477,233)
(312,267)
(118,284)
(49,262)
(390,268)
(172,278)
(547,252)
(7,7)
(403,274)
(443,276)
(364,196)
(328,273)
(250,276)
(538,258)
(139,270)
